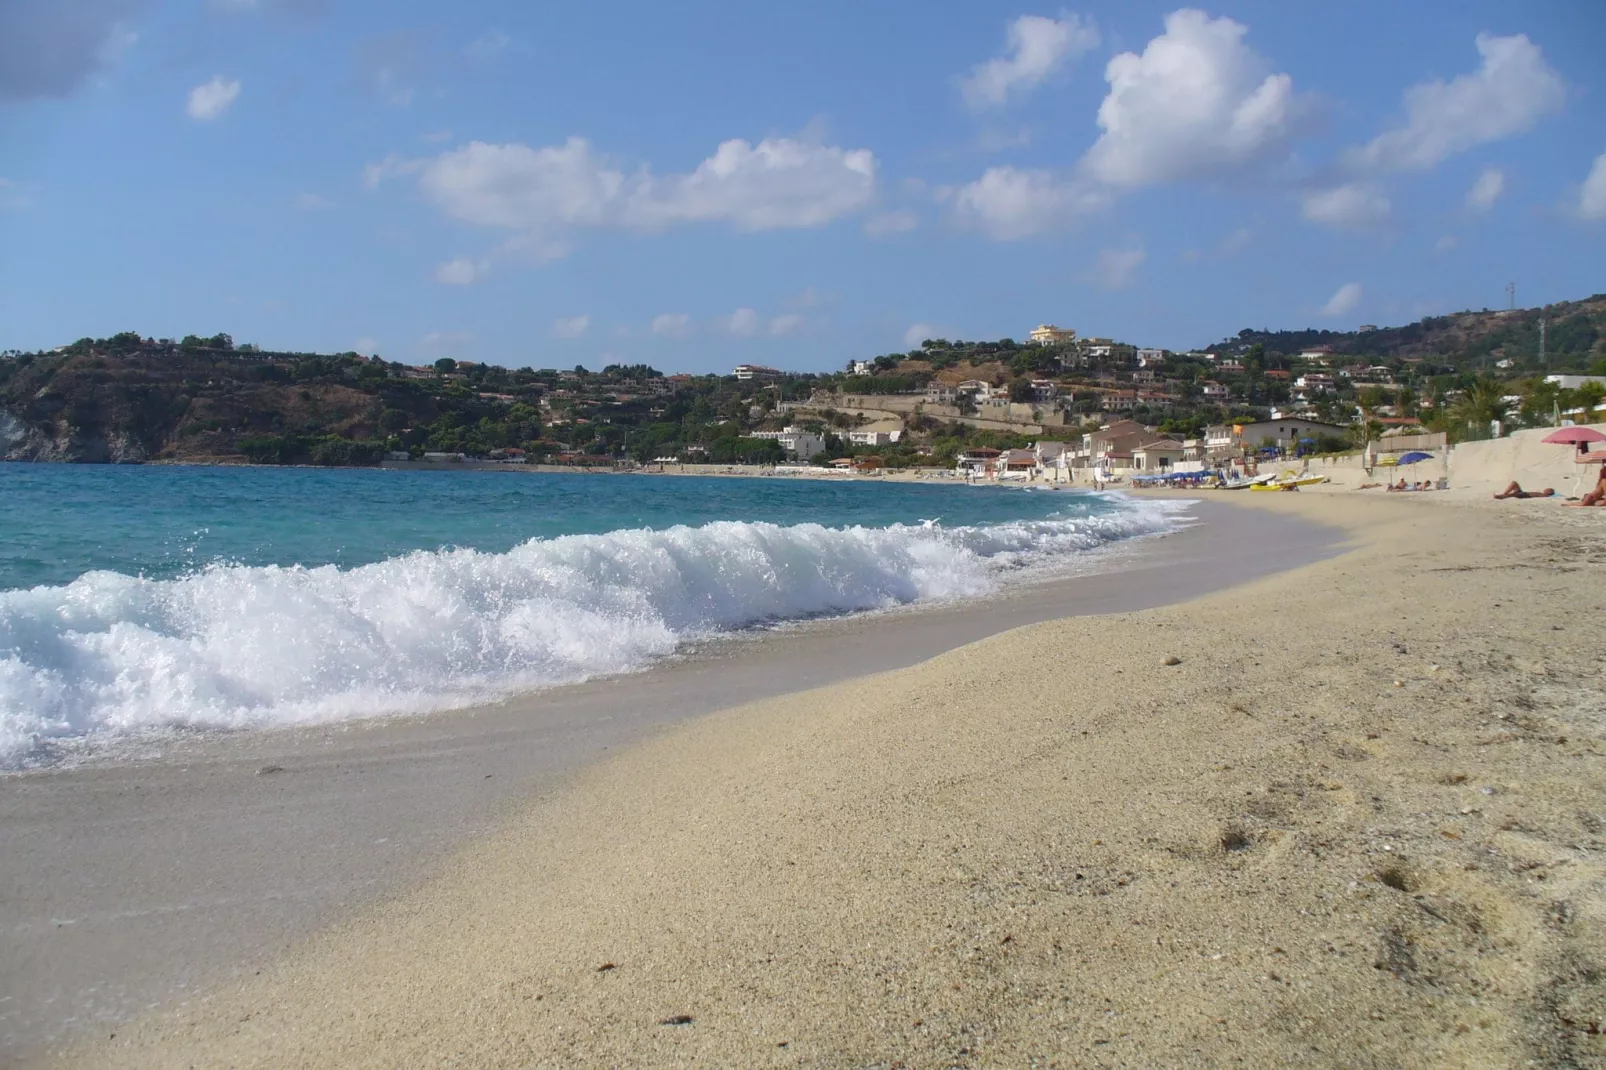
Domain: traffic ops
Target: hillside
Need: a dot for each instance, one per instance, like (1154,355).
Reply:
(1575,338)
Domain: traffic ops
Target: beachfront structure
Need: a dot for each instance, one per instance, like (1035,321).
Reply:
(1157,456)
(1016,463)
(1285,432)
(1049,335)
(976,461)
(746,372)
(795,441)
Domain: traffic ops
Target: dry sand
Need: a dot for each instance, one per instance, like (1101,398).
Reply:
(1361,823)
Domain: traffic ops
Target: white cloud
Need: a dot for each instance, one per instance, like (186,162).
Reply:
(1343,300)
(809,298)
(884,223)
(1592,194)
(365,345)
(461,271)
(312,202)
(1506,95)
(545,192)
(918,333)
(1486,190)
(1037,46)
(571,326)
(211,99)
(1351,206)
(786,323)
(1198,101)
(672,324)
(1009,204)
(743,323)
(1116,269)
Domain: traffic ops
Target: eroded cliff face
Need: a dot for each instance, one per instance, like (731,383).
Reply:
(61,442)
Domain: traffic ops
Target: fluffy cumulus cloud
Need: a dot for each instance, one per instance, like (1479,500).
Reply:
(1037,47)
(672,324)
(785,323)
(49,48)
(542,194)
(1008,204)
(211,99)
(1509,92)
(1343,300)
(571,326)
(1348,206)
(919,332)
(1197,102)
(1592,194)
(1486,190)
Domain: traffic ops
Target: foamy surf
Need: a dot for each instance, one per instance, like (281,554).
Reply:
(239,647)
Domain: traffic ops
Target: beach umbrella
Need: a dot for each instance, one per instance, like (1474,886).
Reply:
(1413,457)
(1574,436)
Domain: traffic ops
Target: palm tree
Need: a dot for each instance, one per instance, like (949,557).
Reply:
(1483,405)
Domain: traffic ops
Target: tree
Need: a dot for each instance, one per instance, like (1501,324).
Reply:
(1483,405)
(1020,390)
(445,365)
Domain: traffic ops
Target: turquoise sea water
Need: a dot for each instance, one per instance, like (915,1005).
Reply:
(61,521)
(147,599)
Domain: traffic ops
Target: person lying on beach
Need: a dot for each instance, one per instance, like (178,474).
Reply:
(1397,486)
(1516,491)
(1368,486)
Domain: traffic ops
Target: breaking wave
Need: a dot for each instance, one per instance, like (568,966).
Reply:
(235,646)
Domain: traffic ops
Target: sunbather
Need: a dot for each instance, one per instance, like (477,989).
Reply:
(1514,490)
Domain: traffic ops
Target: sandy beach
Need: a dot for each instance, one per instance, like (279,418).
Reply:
(1351,814)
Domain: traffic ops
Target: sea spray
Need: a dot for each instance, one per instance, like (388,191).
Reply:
(237,646)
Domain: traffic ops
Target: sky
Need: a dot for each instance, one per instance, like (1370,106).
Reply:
(700,184)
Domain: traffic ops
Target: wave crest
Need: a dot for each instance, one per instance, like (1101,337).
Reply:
(234,646)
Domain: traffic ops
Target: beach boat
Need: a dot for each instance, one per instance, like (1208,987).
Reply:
(1275,486)
(1248,484)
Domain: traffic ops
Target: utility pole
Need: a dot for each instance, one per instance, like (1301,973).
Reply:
(1542,358)
(1511,297)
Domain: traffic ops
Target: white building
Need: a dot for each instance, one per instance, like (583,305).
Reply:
(864,367)
(1315,381)
(1573,382)
(1215,391)
(869,436)
(745,372)
(795,441)
(1149,358)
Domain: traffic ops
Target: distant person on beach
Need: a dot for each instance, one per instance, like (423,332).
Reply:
(1515,491)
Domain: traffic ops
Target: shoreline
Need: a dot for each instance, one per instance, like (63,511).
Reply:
(1357,823)
(229,847)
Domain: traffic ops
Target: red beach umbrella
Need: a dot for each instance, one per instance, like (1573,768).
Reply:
(1574,436)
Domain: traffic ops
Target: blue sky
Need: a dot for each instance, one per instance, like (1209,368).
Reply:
(699,184)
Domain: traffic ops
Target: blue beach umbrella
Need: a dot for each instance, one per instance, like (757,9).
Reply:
(1414,456)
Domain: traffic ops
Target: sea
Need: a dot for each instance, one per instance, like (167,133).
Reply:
(141,600)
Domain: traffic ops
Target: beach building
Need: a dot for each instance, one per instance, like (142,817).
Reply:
(1016,464)
(1049,335)
(1157,456)
(881,433)
(1285,432)
(977,461)
(797,442)
(746,372)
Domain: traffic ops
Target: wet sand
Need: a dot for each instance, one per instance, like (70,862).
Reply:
(127,886)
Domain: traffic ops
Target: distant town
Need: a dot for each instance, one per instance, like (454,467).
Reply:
(1073,403)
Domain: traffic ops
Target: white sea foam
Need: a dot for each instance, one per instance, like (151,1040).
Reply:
(234,646)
